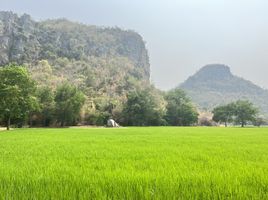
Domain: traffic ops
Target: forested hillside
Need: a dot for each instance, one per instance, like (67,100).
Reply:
(81,74)
(104,63)
(215,85)
(26,41)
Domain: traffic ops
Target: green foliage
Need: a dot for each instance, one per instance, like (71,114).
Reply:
(98,118)
(69,101)
(224,113)
(180,111)
(134,163)
(245,112)
(144,107)
(17,93)
(240,112)
(47,105)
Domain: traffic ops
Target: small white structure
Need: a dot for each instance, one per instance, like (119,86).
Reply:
(112,123)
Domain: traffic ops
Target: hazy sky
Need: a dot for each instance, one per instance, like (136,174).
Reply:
(181,35)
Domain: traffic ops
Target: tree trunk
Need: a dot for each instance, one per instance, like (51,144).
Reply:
(44,122)
(62,123)
(8,123)
(30,121)
(243,124)
(225,124)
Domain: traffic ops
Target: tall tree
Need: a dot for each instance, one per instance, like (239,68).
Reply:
(17,93)
(144,107)
(47,105)
(224,113)
(180,111)
(69,101)
(245,112)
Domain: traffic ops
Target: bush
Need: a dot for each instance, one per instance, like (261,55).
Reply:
(204,121)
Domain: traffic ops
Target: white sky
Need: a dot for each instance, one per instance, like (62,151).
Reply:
(181,35)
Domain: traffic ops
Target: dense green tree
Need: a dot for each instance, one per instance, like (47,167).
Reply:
(240,112)
(69,101)
(245,112)
(47,105)
(224,113)
(17,93)
(144,107)
(180,111)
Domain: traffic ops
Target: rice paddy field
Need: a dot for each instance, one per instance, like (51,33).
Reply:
(134,163)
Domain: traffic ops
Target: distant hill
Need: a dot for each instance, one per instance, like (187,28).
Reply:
(23,40)
(214,85)
(104,63)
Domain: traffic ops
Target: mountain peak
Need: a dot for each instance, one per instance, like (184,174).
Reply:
(214,85)
(214,71)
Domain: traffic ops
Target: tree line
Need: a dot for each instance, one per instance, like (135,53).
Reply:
(23,102)
(239,112)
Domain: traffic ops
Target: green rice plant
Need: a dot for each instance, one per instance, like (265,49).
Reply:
(134,163)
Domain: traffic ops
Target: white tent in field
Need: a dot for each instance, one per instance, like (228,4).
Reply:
(112,123)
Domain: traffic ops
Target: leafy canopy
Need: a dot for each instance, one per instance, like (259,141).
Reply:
(144,107)
(180,111)
(69,101)
(17,93)
(224,113)
(245,112)
(240,112)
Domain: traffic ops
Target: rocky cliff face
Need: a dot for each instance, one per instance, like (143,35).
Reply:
(214,85)
(18,42)
(23,40)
